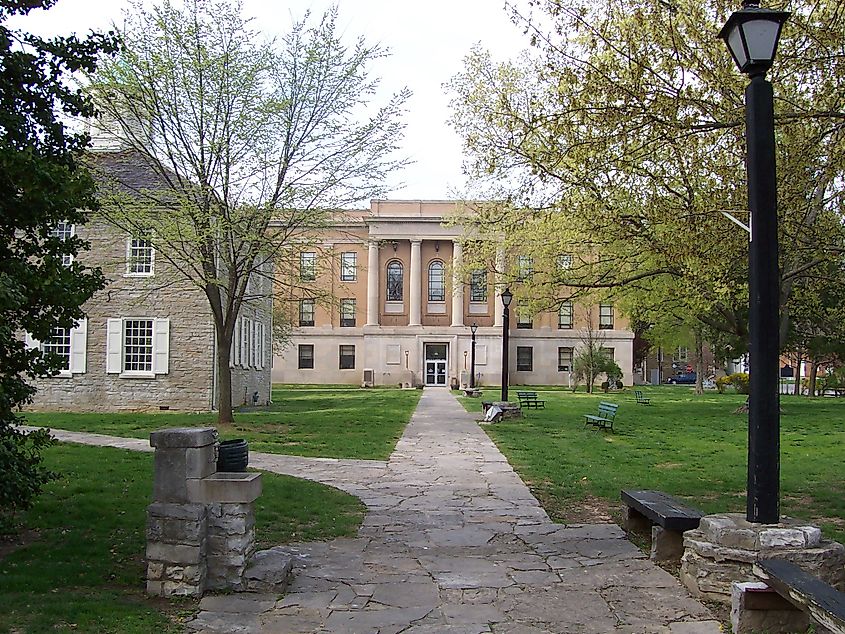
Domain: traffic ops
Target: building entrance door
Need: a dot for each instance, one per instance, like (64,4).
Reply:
(435,363)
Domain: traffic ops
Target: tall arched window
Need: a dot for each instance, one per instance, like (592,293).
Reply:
(436,282)
(395,276)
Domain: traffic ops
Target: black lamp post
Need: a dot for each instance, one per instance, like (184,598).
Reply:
(507,298)
(473,329)
(752,37)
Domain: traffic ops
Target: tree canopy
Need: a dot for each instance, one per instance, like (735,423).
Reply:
(257,140)
(42,183)
(618,140)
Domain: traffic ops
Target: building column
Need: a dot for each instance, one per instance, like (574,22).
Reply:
(416,284)
(497,284)
(372,284)
(457,284)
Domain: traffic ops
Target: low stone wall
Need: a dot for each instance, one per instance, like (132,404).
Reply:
(724,548)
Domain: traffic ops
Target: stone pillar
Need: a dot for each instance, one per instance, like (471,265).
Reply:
(457,284)
(372,284)
(415,284)
(176,522)
(498,318)
(230,498)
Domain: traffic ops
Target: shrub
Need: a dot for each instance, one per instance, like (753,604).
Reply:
(23,473)
(739,380)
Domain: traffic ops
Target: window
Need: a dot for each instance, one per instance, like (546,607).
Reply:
(140,255)
(681,355)
(59,345)
(564,262)
(478,286)
(605,317)
(524,358)
(436,282)
(608,352)
(347,357)
(523,317)
(349,266)
(137,346)
(306,312)
(63,231)
(308,266)
(524,267)
(564,359)
(564,316)
(394,281)
(306,357)
(347,312)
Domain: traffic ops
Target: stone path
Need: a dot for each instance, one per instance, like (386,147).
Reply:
(454,542)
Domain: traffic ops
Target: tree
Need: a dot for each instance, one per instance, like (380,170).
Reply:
(41,184)
(622,135)
(257,141)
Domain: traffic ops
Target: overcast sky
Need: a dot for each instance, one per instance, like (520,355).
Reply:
(428,41)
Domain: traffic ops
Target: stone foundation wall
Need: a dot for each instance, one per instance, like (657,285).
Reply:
(231,544)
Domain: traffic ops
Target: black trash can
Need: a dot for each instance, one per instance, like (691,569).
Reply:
(233,455)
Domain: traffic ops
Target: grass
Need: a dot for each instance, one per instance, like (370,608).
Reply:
(316,421)
(690,446)
(81,567)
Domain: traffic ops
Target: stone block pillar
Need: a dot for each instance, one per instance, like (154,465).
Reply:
(177,525)
(756,608)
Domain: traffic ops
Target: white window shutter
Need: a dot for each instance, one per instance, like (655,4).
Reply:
(232,351)
(31,342)
(114,346)
(244,342)
(254,338)
(161,346)
(261,346)
(78,345)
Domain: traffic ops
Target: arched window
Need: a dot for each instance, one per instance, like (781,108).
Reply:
(436,282)
(395,276)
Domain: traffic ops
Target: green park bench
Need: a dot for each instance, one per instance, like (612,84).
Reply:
(529,400)
(605,416)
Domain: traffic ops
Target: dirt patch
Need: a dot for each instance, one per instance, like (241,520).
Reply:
(588,510)
(668,465)
(11,543)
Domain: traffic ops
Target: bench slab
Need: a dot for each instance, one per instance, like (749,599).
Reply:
(663,509)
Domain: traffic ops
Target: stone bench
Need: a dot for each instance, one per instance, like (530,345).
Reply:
(662,516)
(788,599)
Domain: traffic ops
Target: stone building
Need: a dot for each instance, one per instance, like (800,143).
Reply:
(399,317)
(148,338)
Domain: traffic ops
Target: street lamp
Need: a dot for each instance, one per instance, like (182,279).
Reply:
(473,329)
(752,38)
(507,298)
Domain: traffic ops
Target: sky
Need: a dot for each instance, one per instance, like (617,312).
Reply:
(428,41)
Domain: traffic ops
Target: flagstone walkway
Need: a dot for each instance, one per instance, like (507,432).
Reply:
(454,542)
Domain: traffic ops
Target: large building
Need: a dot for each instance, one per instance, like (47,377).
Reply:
(148,339)
(402,312)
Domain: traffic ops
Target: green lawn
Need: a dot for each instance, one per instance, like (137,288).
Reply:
(82,566)
(318,421)
(693,447)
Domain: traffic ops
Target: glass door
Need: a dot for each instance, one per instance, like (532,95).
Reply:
(435,363)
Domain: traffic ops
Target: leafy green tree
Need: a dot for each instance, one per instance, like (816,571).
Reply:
(619,140)
(256,141)
(41,184)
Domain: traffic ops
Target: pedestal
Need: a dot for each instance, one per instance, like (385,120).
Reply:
(724,547)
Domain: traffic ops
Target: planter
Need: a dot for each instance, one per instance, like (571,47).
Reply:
(233,455)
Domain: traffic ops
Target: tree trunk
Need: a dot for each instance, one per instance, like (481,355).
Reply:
(699,363)
(796,389)
(224,381)
(814,372)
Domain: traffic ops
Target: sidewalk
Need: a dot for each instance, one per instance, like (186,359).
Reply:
(454,542)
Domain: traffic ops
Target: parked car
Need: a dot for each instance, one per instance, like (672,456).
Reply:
(682,378)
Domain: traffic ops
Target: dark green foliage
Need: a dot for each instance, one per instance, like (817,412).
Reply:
(41,183)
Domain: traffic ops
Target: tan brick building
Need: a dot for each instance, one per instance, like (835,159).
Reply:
(148,339)
(400,316)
